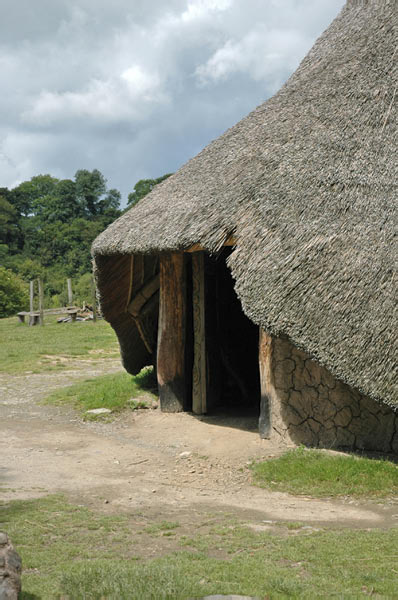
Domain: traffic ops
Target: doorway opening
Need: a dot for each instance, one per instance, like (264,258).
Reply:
(232,372)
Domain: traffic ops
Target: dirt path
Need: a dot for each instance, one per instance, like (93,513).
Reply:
(159,464)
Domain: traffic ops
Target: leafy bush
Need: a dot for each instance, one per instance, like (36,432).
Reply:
(13,293)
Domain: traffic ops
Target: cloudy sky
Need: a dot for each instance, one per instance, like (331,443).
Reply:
(135,88)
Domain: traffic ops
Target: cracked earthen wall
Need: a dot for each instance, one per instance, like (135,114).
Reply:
(309,406)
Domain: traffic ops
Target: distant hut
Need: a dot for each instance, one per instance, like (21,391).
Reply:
(261,275)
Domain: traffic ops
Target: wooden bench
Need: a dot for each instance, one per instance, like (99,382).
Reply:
(34,317)
(72,312)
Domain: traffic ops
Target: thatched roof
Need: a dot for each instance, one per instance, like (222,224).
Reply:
(307,183)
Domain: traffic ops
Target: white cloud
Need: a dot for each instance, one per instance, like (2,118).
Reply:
(262,54)
(197,9)
(128,96)
(140,83)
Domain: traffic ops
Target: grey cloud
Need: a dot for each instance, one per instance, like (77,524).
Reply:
(137,88)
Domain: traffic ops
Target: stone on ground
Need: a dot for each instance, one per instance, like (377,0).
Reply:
(10,570)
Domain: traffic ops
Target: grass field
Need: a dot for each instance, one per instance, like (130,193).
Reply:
(114,392)
(318,474)
(37,349)
(70,551)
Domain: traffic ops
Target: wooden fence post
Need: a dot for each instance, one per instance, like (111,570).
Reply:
(94,299)
(41,301)
(70,294)
(31,297)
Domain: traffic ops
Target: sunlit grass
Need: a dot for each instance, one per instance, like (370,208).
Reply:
(37,349)
(71,551)
(114,392)
(317,473)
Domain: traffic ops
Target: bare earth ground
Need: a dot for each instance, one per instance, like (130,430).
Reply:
(158,466)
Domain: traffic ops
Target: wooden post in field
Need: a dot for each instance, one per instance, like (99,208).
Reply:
(171,362)
(31,294)
(41,301)
(70,294)
(31,297)
(94,299)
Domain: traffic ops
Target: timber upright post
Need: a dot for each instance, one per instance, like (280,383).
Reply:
(199,379)
(41,301)
(172,331)
(265,366)
(31,296)
(70,294)
(94,299)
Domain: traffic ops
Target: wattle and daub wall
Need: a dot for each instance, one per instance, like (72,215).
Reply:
(309,406)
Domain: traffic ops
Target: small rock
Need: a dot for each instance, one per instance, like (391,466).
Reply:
(154,491)
(106,501)
(10,570)
(98,411)
(185,454)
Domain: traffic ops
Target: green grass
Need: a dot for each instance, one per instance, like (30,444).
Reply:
(38,349)
(317,473)
(68,550)
(163,526)
(115,392)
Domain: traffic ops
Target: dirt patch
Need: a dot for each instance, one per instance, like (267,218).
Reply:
(173,467)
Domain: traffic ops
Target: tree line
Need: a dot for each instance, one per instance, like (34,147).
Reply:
(47,226)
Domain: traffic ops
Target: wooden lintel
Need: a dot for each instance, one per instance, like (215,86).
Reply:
(231,241)
(195,248)
(143,296)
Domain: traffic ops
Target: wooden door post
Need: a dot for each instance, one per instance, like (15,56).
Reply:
(199,380)
(265,365)
(172,330)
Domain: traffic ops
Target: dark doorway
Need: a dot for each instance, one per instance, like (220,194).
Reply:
(233,381)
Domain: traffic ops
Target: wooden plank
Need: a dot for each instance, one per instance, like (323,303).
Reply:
(199,399)
(171,371)
(265,365)
(143,295)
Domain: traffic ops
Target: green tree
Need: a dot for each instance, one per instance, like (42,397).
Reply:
(90,187)
(10,232)
(26,196)
(13,293)
(143,187)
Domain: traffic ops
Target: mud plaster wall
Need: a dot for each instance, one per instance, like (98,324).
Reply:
(309,406)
